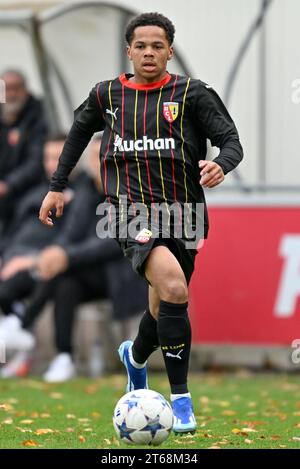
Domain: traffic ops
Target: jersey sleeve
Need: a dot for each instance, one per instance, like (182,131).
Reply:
(216,124)
(88,119)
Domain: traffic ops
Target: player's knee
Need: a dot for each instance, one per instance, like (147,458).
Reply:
(175,291)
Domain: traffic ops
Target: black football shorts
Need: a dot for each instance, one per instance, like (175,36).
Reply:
(138,251)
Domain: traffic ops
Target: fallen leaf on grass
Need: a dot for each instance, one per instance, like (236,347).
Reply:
(13,400)
(253,423)
(45,416)
(107,441)
(81,439)
(248,441)
(228,412)
(115,441)
(30,443)
(236,431)
(43,431)
(275,437)
(91,389)
(56,395)
(70,416)
(290,387)
(83,420)
(69,430)
(188,442)
(296,438)
(6,407)
(8,421)
(95,415)
(223,403)
(214,447)
(204,400)
(24,430)
(243,431)
(26,422)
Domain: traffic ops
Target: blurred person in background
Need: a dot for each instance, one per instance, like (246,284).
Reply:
(22,134)
(20,247)
(77,269)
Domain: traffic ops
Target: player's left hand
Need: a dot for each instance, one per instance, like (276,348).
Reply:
(211,173)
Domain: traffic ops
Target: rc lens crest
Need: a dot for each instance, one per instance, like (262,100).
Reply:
(170,111)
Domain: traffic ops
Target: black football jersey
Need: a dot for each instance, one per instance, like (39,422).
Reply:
(154,136)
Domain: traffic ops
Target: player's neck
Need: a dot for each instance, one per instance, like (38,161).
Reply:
(139,79)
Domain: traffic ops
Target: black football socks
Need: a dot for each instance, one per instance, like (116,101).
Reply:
(174,333)
(147,339)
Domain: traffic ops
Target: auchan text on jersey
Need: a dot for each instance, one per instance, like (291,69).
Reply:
(143,144)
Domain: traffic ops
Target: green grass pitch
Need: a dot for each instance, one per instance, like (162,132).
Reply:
(241,410)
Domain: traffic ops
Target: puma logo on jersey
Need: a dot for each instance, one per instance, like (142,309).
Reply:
(171,355)
(143,144)
(112,113)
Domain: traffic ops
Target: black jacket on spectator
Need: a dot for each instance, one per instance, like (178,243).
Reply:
(26,234)
(126,289)
(21,148)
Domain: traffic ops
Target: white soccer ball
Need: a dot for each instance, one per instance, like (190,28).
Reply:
(143,417)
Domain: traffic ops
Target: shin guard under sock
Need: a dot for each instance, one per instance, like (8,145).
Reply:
(174,332)
(147,339)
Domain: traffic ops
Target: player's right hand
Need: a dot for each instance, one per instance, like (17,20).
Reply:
(53,200)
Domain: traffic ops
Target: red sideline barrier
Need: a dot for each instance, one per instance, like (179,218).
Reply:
(246,285)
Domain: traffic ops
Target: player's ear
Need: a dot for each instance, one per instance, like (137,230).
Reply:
(128,49)
(171,52)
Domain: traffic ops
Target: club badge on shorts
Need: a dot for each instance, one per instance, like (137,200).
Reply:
(143,236)
(170,111)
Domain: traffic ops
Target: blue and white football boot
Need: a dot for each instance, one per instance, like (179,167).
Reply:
(137,377)
(184,418)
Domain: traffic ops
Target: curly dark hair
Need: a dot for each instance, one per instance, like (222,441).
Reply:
(150,19)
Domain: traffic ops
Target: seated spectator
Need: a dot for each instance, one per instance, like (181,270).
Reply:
(78,268)
(22,135)
(26,237)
